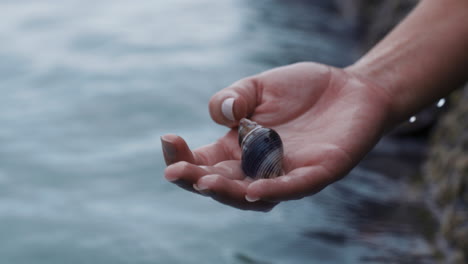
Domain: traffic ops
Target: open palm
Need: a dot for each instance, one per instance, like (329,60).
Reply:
(327,118)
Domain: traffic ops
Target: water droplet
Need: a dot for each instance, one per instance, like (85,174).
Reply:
(441,102)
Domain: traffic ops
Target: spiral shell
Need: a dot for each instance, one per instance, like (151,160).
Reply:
(262,150)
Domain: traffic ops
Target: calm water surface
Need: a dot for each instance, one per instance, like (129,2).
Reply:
(87,89)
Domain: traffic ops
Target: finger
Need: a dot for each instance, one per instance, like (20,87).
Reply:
(230,169)
(211,154)
(186,175)
(185,172)
(297,184)
(230,192)
(175,149)
(233,103)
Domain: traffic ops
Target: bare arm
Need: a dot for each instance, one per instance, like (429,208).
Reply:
(422,59)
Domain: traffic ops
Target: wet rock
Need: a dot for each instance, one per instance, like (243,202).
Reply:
(446,175)
(373,19)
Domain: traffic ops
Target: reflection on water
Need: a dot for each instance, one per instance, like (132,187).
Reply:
(89,86)
(379,208)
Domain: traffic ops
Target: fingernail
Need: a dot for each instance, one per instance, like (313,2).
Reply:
(227,107)
(202,189)
(173,180)
(169,151)
(203,184)
(251,199)
(171,175)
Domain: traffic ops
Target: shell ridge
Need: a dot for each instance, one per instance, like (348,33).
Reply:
(262,151)
(254,158)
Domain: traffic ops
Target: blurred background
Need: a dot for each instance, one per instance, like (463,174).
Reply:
(88,87)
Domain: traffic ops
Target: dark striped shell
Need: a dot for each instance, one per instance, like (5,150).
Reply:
(262,150)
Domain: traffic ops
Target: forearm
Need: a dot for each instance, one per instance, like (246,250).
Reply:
(422,59)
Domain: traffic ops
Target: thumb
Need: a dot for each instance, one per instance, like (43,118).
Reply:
(233,103)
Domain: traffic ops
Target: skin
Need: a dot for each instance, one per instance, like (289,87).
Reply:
(328,117)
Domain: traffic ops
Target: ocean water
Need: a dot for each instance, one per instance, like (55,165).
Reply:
(88,87)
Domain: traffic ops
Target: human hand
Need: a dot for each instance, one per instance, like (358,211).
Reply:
(328,119)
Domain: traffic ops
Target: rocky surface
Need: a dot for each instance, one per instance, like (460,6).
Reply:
(446,176)
(373,19)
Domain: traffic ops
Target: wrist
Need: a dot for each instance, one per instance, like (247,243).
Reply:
(417,64)
(382,96)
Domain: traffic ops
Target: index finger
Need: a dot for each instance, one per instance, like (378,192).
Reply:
(175,149)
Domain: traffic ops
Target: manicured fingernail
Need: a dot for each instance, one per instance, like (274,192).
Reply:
(251,199)
(170,174)
(169,151)
(228,108)
(200,187)
(173,180)
(203,184)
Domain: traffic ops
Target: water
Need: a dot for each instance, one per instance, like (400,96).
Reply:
(87,89)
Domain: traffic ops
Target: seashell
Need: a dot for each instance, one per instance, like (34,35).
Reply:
(262,150)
